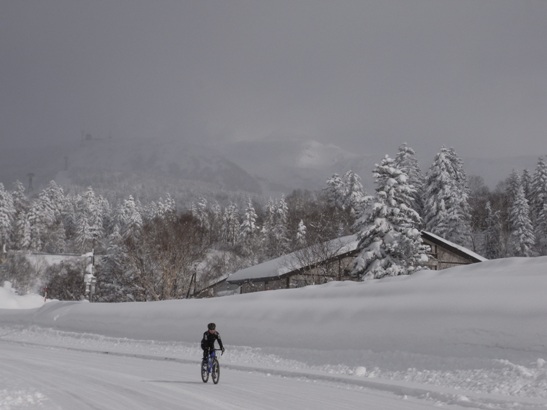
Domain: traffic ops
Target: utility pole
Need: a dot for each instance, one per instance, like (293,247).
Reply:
(89,278)
(30,175)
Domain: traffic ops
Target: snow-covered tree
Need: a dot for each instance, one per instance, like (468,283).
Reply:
(249,232)
(230,224)
(301,234)
(280,228)
(215,213)
(541,232)
(407,162)
(354,198)
(335,191)
(346,199)
(166,206)
(538,198)
(513,183)
(20,200)
(129,218)
(200,212)
(389,242)
(249,228)
(22,237)
(7,214)
(89,222)
(44,219)
(521,239)
(492,234)
(446,207)
(539,187)
(275,237)
(526,181)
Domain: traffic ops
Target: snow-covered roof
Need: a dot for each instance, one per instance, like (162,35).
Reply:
(458,248)
(291,262)
(276,268)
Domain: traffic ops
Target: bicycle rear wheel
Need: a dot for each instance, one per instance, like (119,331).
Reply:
(215,371)
(204,371)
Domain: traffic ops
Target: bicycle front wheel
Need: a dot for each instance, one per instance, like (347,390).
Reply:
(204,372)
(215,371)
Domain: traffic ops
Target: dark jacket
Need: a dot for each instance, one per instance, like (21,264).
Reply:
(208,340)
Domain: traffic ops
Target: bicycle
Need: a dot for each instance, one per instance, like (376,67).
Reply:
(211,367)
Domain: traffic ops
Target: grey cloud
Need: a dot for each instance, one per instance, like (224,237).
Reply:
(367,75)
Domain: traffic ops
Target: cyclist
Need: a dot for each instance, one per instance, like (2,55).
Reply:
(208,341)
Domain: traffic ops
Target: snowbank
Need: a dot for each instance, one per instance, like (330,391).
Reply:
(10,300)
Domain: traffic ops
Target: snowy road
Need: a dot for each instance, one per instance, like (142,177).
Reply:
(55,378)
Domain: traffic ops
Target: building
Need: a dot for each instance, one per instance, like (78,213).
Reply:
(445,254)
(323,263)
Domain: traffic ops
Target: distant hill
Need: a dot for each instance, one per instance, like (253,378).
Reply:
(299,164)
(149,169)
(119,167)
(307,164)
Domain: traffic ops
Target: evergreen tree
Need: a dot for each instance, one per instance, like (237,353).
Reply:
(526,181)
(267,236)
(249,232)
(346,199)
(21,227)
(43,219)
(230,224)
(521,240)
(335,191)
(301,234)
(89,225)
(354,195)
(7,214)
(37,226)
(53,205)
(57,199)
(492,234)
(112,285)
(541,229)
(406,161)
(199,211)
(389,242)
(20,200)
(513,183)
(538,198)
(280,229)
(249,229)
(275,238)
(539,187)
(166,206)
(22,232)
(129,219)
(446,207)
(216,222)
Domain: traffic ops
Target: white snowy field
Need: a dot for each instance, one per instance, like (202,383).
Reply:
(468,337)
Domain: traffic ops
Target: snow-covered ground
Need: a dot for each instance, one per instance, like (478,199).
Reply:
(467,337)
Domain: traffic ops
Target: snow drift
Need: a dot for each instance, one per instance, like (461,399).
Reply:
(479,327)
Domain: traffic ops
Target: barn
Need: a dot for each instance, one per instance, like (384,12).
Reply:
(326,262)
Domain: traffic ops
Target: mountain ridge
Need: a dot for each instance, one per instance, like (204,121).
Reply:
(250,168)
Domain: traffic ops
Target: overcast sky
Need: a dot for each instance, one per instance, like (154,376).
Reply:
(366,75)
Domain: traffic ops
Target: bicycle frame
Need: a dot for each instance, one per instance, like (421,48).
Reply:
(212,355)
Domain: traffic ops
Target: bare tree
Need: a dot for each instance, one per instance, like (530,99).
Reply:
(163,259)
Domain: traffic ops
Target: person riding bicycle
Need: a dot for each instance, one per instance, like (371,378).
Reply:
(208,341)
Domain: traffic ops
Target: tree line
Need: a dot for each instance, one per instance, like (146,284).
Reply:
(155,251)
